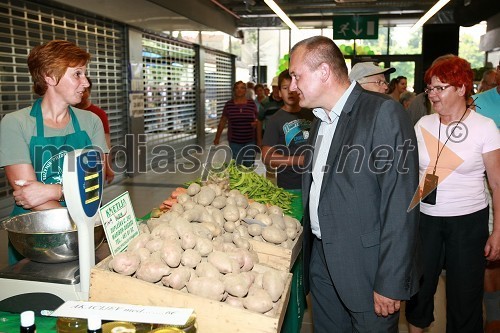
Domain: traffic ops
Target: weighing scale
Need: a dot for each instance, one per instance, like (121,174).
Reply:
(30,285)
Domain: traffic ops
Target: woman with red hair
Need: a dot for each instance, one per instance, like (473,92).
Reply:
(456,147)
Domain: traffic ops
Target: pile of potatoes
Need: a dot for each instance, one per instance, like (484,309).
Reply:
(226,210)
(201,246)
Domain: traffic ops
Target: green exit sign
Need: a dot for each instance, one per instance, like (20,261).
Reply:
(355,27)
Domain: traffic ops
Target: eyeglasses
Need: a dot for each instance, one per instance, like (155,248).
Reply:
(379,83)
(437,90)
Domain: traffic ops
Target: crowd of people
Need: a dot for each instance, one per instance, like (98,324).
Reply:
(375,236)
(392,187)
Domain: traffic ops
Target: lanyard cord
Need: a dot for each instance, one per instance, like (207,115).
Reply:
(449,136)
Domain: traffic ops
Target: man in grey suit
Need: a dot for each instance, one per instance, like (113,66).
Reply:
(360,233)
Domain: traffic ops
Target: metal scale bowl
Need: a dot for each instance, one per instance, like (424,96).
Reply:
(48,236)
(53,241)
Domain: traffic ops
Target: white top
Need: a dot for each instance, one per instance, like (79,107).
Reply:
(460,166)
(322,148)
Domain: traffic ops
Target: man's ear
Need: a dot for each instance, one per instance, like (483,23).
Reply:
(324,71)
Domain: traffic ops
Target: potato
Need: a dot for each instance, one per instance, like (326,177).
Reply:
(218,217)
(190,258)
(250,259)
(138,242)
(181,226)
(217,189)
(273,283)
(274,234)
(234,301)
(188,240)
(206,287)
(254,229)
(275,210)
(291,233)
(154,245)
(206,196)
(278,221)
(251,212)
(165,231)
(264,218)
(206,269)
(188,205)
(125,263)
(241,242)
(243,212)
(143,228)
(203,246)
(183,198)
(229,226)
(213,227)
(242,231)
(221,261)
(193,189)
(178,278)
(177,207)
(258,300)
(152,271)
(236,284)
(219,202)
(171,253)
(291,222)
(231,201)
(241,201)
(143,253)
(231,213)
(201,230)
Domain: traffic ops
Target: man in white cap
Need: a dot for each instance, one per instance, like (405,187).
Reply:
(370,76)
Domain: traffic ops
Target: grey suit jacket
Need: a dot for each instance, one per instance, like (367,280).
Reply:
(369,238)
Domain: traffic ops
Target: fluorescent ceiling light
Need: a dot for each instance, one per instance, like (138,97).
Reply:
(440,4)
(281,14)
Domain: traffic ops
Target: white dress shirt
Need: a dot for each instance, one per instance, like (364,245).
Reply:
(329,121)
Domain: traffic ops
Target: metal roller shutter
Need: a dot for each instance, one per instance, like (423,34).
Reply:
(25,24)
(169,93)
(219,87)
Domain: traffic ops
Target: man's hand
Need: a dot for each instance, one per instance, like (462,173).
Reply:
(385,306)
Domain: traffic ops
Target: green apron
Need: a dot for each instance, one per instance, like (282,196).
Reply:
(47,156)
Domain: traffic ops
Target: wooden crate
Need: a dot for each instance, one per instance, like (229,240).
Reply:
(211,316)
(276,256)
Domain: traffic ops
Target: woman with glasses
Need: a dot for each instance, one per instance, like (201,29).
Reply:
(397,86)
(456,147)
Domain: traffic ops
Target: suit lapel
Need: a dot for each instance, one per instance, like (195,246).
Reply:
(308,160)
(338,137)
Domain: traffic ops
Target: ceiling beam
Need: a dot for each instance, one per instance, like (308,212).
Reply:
(203,12)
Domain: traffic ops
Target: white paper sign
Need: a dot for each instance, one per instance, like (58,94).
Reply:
(118,220)
(124,312)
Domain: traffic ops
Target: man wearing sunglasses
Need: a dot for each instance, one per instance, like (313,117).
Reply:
(370,76)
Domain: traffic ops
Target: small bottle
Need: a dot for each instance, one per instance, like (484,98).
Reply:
(71,325)
(28,322)
(94,325)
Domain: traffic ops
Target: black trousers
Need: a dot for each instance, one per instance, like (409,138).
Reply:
(457,245)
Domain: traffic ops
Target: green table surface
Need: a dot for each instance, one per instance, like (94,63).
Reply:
(10,322)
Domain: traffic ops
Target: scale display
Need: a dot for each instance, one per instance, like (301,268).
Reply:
(89,179)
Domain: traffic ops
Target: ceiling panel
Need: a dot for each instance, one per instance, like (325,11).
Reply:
(231,15)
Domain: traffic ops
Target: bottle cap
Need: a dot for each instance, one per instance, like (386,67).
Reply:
(93,323)
(27,318)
